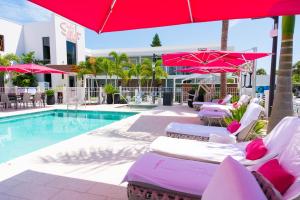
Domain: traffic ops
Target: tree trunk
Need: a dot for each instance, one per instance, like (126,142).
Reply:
(106,80)
(224,38)
(283,102)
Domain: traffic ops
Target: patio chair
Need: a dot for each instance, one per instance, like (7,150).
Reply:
(197,105)
(26,99)
(214,152)
(155,176)
(38,100)
(5,100)
(202,133)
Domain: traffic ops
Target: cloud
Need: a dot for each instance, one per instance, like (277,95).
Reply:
(23,11)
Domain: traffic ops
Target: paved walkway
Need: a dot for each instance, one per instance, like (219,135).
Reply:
(90,166)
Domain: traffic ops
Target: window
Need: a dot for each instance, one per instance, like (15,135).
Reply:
(46,50)
(71,53)
(1,42)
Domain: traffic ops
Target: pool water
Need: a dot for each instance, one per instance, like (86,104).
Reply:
(26,133)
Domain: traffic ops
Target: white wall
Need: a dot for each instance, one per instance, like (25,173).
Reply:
(13,37)
(33,34)
(66,30)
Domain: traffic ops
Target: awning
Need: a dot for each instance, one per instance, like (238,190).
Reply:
(118,15)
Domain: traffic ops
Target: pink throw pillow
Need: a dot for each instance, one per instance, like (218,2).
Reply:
(233,126)
(220,101)
(277,175)
(235,105)
(256,149)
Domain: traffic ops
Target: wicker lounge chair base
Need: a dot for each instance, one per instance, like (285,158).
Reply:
(185,136)
(142,191)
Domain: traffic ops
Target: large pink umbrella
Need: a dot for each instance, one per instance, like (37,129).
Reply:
(210,70)
(118,15)
(31,68)
(210,58)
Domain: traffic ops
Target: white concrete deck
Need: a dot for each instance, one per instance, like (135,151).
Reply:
(90,166)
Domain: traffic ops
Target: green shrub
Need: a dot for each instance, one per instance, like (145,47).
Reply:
(24,80)
(257,130)
(110,89)
(49,93)
(236,114)
(235,98)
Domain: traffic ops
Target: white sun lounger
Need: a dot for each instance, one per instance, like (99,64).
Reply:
(215,114)
(213,152)
(201,132)
(244,99)
(226,100)
(154,176)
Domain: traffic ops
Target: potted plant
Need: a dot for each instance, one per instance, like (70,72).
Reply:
(109,89)
(50,97)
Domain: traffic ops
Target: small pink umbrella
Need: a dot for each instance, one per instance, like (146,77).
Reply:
(210,58)
(31,68)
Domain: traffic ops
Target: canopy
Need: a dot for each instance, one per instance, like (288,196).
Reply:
(210,58)
(31,68)
(209,70)
(118,15)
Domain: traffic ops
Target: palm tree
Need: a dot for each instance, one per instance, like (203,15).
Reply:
(136,70)
(146,73)
(28,57)
(119,61)
(224,38)
(160,73)
(91,66)
(7,59)
(107,68)
(283,103)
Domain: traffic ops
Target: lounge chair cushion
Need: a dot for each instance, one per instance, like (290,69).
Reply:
(212,114)
(175,174)
(233,181)
(217,107)
(204,151)
(233,126)
(256,149)
(196,150)
(277,175)
(194,129)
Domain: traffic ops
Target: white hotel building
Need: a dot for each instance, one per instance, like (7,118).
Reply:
(61,43)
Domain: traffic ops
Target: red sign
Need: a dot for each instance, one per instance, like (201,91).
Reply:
(69,31)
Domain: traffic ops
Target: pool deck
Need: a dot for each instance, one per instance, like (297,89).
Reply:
(89,166)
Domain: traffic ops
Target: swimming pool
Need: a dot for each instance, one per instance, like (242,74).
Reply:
(26,133)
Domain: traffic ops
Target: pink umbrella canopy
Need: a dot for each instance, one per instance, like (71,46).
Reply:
(209,70)
(31,68)
(118,15)
(210,58)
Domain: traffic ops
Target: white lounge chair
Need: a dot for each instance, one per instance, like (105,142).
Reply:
(155,176)
(215,114)
(213,152)
(225,100)
(244,100)
(201,132)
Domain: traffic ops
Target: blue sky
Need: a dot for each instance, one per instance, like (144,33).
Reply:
(243,34)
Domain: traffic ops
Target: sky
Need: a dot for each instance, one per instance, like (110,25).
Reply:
(243,34)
